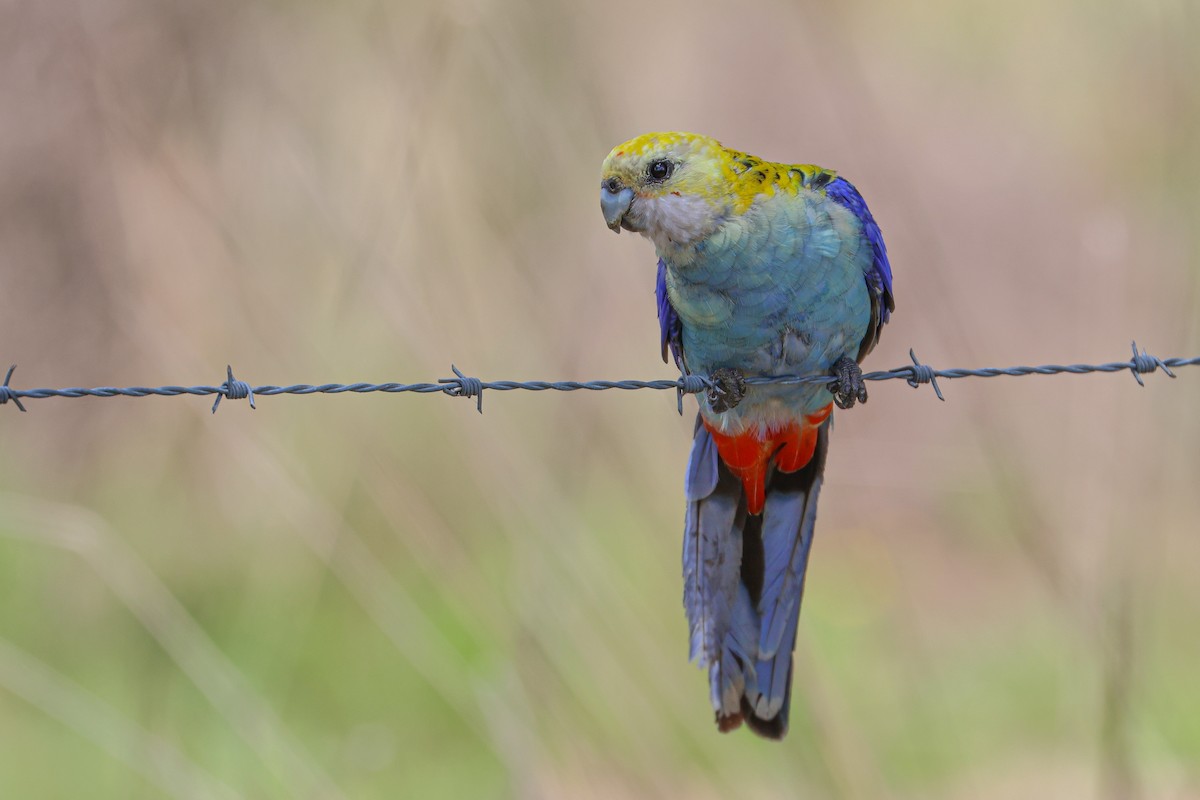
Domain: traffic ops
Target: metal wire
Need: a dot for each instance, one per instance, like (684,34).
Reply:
(915,374)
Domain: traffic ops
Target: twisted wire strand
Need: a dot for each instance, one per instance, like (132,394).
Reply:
(915,374)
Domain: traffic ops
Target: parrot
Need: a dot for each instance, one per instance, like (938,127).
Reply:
(764,269)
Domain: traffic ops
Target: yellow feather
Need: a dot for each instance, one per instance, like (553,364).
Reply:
(718,173)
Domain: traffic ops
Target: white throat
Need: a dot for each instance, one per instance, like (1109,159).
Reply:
(674,221)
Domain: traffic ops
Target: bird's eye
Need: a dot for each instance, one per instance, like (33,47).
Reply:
(660,170)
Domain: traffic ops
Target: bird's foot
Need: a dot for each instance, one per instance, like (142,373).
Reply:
(849,387)
(729,387)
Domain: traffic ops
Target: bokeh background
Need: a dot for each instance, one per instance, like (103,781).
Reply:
(392,596)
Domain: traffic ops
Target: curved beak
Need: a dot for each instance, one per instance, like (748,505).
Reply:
(614,204)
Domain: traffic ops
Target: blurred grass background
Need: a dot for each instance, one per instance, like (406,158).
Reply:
(390,596)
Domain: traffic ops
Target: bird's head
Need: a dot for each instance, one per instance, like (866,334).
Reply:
(672,188)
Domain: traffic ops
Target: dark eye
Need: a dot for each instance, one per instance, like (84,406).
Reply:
(660,170)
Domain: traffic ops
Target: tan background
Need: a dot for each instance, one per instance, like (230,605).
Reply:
(391,596)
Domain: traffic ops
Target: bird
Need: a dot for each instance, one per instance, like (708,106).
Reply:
(764,269)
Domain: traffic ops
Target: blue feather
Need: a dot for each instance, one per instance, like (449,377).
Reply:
(773,678)
(880,278)
(701,477)
(712,552)
(669,325)
(740,652)
(788,522)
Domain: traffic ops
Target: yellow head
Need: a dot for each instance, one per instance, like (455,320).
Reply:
(674,188)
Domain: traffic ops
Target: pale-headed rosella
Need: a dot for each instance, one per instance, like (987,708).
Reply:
(764,269)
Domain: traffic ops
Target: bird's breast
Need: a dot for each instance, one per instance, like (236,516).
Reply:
(779,291)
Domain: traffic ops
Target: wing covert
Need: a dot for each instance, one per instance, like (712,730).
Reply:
(669,324)
(879,276)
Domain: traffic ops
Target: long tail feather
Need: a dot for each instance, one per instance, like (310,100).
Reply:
(712,555)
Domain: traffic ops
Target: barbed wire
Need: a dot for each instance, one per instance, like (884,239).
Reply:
(915,374)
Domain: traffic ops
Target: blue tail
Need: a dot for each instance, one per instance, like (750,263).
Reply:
(743,582)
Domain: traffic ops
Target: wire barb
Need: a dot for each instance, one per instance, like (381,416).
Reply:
(690,384)
(233,389)
(462,386)
(7,393)
(923,373)
(1143,364)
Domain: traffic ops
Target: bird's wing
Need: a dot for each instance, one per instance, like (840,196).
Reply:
(669,324)
(879,274)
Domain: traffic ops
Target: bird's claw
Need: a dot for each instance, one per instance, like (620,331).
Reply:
(849,387)
(728,389)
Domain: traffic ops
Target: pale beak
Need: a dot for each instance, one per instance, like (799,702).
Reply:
(615,204)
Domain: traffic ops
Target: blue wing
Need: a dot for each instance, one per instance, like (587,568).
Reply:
(669,325)
(879,277)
